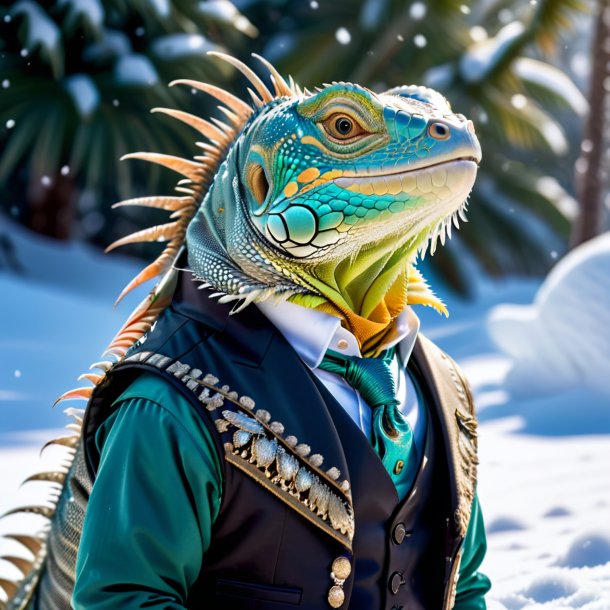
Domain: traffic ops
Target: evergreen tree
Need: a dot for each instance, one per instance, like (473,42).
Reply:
(78,79)
(492,59)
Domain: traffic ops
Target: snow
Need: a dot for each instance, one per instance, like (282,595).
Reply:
(84,94)
(227,12)
(177,46)
(112,44)
(89,11)
(343,36)
(41,31)
(549,351)
(552,79)
(135,70)
(480,59)
(544,480)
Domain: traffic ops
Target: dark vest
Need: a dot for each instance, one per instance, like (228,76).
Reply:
(302,484)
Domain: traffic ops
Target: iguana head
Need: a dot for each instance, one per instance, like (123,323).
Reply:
(327,197)
(323,197)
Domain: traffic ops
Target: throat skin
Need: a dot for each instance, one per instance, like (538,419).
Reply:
(367,291)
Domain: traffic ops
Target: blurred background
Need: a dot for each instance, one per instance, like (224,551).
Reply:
(79,78)
(528,301)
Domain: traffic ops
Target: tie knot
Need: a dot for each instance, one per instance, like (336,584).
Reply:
(372,377)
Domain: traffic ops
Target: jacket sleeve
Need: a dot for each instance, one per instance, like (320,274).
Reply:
(151,509)
(472,585)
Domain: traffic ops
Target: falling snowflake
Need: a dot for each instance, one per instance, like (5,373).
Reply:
(420,41)
(586,146)
(6,83)
(343,36)
(10,124)
(417,11)
(46,181)
(65,170)
(518,101)
(17,373)
(314,5)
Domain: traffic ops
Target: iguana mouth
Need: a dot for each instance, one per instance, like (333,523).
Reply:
(411,169)
(457,174)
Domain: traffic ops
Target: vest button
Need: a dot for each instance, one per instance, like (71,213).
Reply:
(396,581)
(399,534)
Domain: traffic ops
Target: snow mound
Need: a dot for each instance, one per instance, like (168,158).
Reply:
(588,550)
(505,524)
(561,340)
(558,511)
(551,586)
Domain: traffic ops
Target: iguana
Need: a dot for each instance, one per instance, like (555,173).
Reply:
(323,197)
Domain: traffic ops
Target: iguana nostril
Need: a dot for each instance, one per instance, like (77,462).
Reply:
(439,131)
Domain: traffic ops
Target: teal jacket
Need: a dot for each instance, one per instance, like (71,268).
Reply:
(144,549)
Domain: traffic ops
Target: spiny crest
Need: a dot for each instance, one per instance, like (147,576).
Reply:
(19,591)
(197,174)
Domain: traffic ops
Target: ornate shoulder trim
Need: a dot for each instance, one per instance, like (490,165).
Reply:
(259,447)
(467,443)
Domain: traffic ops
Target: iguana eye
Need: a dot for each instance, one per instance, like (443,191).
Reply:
(342,127)
(439,131)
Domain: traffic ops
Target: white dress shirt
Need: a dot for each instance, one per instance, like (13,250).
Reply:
(311,333)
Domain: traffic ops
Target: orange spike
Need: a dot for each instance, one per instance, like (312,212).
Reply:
(156,268)
(10,588)
(230,115)
(148,273)
(102,366)
(92,377)
(257,101)
(234,103)
(84,393)
(189,169)
(201,125)
(187,191)
(212,150)
(280,85)
(171,204)
(65,441)
(31,543)
(226,129)
(248,73)
(23,565)
(295,88)
(45,511)
(164,232)
(56,476)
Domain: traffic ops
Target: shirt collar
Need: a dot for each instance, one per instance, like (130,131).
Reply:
(311,333)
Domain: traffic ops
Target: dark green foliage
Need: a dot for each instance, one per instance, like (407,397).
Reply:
(78,81)
(494,61)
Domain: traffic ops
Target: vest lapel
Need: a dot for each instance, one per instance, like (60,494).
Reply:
(452,403)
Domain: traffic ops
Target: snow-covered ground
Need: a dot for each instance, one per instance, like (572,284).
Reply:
(545,452)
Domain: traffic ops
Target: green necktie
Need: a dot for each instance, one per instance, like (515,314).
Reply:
(391,434)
